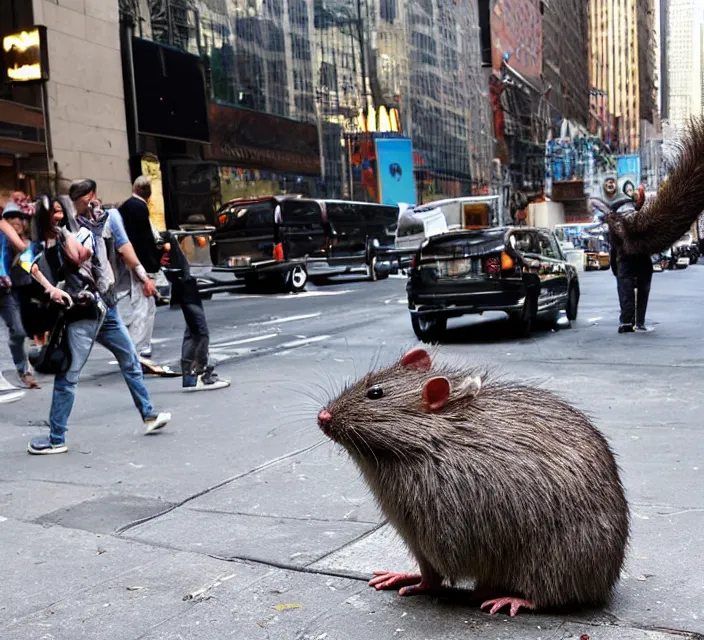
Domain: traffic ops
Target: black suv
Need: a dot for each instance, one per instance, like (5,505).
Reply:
(519,270)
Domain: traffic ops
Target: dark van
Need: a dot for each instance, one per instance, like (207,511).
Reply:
(286,239)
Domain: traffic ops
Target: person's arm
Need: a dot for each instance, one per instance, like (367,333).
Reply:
(131,261)
(74,250)
(7,229)
(56,294)
(126,250)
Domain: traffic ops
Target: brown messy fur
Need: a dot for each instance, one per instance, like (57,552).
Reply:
(679,202)
(510,487)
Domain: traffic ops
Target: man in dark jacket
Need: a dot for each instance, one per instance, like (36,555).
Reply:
(634,274)
(137,309)
(197,373)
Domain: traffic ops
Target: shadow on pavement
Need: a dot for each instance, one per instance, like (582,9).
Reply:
(494,330)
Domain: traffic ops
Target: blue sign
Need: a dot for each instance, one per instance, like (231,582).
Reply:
(628,165)
(395,171)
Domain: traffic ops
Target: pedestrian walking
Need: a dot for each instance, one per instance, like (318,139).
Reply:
(13,279)
(137,310)
(88,262)
(196,371)
(634,274)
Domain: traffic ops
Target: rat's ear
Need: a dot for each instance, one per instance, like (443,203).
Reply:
(436,393)
(471,386)
(417,359)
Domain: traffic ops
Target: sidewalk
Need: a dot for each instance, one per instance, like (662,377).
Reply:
(240,521)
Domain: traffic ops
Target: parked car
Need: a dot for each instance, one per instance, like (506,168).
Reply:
(521,271)
(285,239)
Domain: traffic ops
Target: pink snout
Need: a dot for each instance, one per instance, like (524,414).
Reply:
(324,420)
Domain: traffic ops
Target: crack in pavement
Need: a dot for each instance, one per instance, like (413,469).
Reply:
(224,512)
(219,485)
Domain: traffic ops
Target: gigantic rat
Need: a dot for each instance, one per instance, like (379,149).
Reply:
(503,484)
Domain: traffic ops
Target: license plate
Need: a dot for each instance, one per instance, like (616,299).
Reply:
(683,261)
(239,261)
(458,268)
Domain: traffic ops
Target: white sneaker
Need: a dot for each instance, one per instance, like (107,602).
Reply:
(146,353)
(207,382)
(154,423)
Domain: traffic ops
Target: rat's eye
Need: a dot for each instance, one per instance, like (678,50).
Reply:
(375,392)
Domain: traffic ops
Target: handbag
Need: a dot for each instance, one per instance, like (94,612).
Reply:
(55,356)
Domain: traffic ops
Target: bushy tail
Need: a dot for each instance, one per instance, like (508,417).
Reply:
(679,202)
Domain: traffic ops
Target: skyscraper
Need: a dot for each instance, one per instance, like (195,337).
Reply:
(622,68)
(684,81)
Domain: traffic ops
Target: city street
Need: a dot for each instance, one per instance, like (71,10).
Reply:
(241,520)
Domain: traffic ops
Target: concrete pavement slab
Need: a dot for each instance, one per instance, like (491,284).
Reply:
(136,590)
(664,584)
(28,500)
(321,484)
(287,541)
(381,550)
(285,606)
(105,514)
(43,565)
(240,430)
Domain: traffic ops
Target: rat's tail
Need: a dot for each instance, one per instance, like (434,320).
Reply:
(678,204)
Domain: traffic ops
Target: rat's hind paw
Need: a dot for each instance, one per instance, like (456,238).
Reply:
(388,579)
(500,603)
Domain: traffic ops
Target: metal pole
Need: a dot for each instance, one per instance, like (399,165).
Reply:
(169,26)
(48,144)
(362,60)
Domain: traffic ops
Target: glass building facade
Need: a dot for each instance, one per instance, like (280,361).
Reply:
(324,62)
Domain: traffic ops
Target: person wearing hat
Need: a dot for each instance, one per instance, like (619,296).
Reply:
(88,268)
(12,278)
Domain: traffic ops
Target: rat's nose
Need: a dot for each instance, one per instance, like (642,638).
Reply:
(324,420)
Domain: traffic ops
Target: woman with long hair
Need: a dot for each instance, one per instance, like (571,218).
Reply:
(38,314)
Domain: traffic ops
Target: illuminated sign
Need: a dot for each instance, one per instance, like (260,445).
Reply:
(25,56)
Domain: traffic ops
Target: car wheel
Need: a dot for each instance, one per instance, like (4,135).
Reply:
(296,279)
(429,328)
(521,322)
(572,303)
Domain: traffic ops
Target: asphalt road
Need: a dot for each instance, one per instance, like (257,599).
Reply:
(241,521)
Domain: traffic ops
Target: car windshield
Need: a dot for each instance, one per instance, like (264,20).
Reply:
(474,244)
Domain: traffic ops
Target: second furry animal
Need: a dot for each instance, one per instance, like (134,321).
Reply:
(663,220)
(502,484)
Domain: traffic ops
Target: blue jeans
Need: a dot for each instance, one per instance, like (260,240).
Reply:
(10,313)
(113,335)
